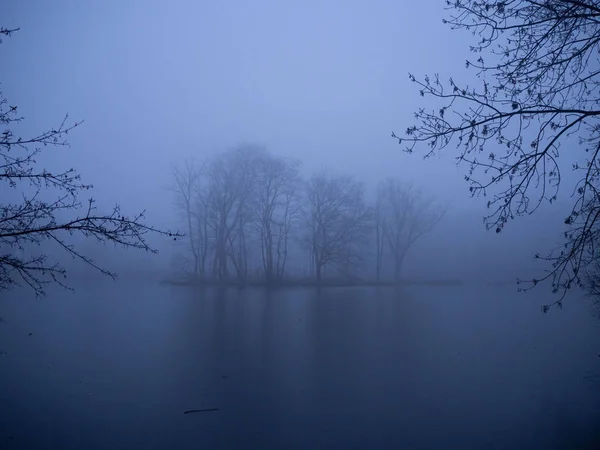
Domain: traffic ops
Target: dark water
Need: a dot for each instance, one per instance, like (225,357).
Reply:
(116,365)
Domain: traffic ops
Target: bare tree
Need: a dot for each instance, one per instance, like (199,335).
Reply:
(276,204)
(232,181)
(292,205)
(202,216)
(221,201)
(404,214)
(538,90)
(378,220)
(46,208)
(240,200)
(338,221)
(185,187)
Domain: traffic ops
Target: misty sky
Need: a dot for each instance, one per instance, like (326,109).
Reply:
(323,81)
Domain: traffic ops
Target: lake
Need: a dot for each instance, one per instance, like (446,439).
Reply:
(116,364)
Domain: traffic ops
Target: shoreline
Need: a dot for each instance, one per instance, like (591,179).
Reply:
(293,283)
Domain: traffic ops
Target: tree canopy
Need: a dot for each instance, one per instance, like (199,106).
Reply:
(252,211)
(535,97)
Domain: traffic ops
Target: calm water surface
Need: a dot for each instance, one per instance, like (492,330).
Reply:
(115,365)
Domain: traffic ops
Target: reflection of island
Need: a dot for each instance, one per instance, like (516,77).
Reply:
(308,282)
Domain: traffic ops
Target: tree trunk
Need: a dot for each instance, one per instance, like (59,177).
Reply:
(268,252)
(196,265)
(398,259)
(318,266)
(379,257)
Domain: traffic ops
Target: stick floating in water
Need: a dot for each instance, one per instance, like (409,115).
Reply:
(200,410)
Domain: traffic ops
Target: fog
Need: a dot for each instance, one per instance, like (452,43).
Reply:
(325,83)
(319,82)
(156,83)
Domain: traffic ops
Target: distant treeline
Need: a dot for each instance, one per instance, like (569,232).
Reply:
(249,216)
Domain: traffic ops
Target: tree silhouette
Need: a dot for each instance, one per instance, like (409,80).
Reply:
(537,92)
(403,214)
(191,203)
(46,207)
(276,206)
(338,222)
